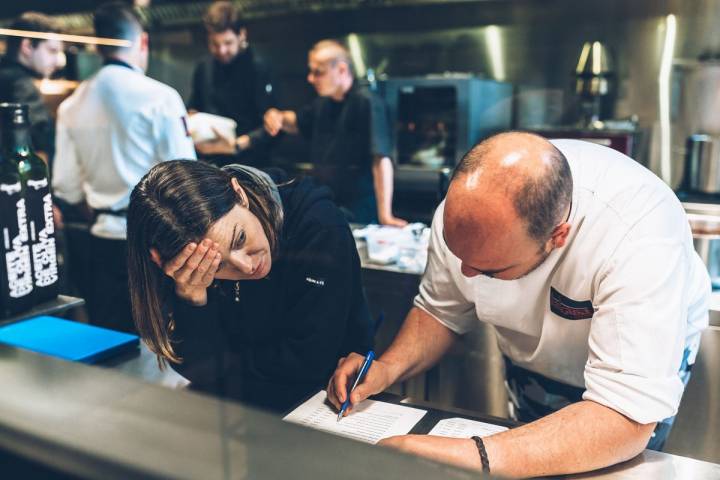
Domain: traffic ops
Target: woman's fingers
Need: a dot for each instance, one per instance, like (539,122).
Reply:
(195,266)
(198,275)
(184,273)
(209,276)
(177,263)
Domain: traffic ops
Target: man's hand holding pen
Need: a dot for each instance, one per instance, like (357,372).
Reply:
(376,379)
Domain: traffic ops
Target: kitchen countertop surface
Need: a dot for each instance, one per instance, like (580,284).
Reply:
(120,420)
(649,464)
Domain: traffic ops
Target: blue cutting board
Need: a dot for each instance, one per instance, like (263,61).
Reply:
(66,339)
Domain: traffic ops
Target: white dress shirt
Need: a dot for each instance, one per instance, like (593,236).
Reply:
(115,127)
(613,310)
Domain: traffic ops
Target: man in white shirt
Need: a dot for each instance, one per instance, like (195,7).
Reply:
(110,132)
(583,262)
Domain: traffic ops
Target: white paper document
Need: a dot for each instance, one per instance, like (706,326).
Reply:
(201,126)
(464,428)
(369,421)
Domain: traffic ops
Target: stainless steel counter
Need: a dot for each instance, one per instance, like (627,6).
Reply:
(651,465)
(143,365)
(94,422)
(102,423)
(52,307)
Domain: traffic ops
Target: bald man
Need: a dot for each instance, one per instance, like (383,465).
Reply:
(583,262)
(349,136)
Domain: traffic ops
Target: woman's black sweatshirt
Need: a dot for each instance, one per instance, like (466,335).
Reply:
(281,341)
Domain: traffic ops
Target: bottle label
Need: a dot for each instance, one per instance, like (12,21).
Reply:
(42,227)
(17,250)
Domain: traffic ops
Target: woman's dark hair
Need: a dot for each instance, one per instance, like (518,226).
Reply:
(174,204)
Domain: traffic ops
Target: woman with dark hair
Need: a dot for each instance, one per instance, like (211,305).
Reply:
(248,289)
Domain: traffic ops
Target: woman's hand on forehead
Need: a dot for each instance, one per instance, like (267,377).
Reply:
(193,269)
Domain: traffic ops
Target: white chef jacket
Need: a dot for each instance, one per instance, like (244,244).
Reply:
(115,127)
(613,310)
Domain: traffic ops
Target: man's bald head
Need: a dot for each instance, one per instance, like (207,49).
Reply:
(330,69)
(331,51)
(504,211)
(527,171)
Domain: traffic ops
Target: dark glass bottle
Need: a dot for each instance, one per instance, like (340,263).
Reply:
(16,284)
(17,147)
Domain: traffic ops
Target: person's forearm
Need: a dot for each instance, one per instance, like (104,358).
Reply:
(421,342)
(580,437)
(382,170)
(289,124)
(253,139)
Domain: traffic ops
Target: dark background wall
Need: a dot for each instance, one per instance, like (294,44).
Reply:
(535,42)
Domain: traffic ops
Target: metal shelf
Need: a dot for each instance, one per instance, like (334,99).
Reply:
(61,304)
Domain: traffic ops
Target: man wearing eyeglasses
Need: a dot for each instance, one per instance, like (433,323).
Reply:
(349,136)
(27,60)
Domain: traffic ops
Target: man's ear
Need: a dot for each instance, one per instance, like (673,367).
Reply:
(145,41)
(155,257)
(240,192)
(559,235)
(242,36)
(343,67)
(26,48)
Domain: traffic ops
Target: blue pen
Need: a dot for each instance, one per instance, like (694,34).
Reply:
(363,370)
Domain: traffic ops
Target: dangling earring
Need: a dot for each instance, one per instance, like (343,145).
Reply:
(237,292)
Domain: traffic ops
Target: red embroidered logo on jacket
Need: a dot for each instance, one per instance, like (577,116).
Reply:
(568,308)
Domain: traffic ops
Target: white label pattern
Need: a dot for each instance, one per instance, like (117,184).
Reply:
(19,270)
(44,250)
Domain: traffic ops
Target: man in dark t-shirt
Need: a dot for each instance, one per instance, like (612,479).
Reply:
(27,60)
(232,83)
(349,136)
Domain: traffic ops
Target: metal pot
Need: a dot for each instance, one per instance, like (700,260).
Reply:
(702,164)
(706,240)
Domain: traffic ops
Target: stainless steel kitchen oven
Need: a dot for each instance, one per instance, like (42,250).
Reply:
(436,120)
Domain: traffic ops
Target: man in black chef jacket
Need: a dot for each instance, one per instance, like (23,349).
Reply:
(232,83)
(349,136)
(27,60)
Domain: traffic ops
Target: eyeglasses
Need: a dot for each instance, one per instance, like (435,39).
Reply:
(319,72)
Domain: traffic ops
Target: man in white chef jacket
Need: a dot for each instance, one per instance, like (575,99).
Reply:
(115,127)
(583,262)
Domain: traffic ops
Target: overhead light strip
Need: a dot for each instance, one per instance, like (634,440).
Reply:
(495,51)
(664,79)
(111,42)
